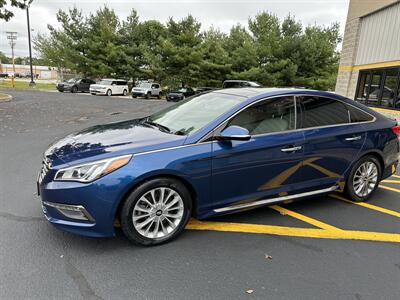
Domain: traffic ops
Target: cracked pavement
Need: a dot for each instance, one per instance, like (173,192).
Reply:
(39,262)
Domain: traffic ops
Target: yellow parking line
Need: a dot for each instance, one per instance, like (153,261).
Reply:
(391,181)
(370,206)
(293,231)
(395,176)
(389,188)
(303,218)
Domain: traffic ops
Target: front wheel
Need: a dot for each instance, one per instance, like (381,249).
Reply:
(156,212)
(148,95)
(363,179)
(109,93)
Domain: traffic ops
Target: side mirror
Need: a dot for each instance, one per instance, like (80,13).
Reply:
(234,133)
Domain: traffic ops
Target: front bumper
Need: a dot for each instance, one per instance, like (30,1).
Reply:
(87,209)
(98,92)
(63,88)
(138,94)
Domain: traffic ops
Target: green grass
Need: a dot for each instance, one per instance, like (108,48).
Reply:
(6,83)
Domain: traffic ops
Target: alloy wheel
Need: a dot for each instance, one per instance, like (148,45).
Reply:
(158,213)
(365,179)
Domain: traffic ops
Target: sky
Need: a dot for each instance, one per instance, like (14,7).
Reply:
(221,14)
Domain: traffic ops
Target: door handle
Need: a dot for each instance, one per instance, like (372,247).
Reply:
(353,138)
(292,149)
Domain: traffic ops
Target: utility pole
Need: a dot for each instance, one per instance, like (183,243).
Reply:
(12,37)
(32,83)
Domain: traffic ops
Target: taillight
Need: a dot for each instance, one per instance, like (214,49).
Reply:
(396,130)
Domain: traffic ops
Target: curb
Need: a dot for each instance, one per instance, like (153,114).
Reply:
(5,97)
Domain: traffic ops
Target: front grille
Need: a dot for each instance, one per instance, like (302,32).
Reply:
(46,166)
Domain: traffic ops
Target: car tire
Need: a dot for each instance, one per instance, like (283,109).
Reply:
(109,93)
(125,92)
(148,95)
(74,89)
(363,179)
(159,96)
(144,205)
(94,94)
(134,96)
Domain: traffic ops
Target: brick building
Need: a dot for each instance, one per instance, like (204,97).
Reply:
(369,69)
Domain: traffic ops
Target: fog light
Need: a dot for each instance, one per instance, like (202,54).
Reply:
(76,212)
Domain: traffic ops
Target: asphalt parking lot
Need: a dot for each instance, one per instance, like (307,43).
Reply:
(319,248)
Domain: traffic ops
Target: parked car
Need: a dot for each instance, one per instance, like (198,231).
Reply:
(180,94)
(215,153)
(75,85)
(204,89)
(239,84)
(110,87)
(3,75)
(147,90)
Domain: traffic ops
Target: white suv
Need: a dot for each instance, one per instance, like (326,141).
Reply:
(110,87)
(147,90)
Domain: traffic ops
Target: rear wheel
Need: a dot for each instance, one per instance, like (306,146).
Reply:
(364,178)
(156,212)
(159,96)
(125,92)
(109,93)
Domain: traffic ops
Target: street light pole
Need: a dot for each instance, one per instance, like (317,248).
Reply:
(32,83)
(12,37)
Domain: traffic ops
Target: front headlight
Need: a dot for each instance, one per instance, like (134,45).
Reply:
(91,171)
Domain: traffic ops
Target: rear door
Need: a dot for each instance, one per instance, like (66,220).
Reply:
(332,141)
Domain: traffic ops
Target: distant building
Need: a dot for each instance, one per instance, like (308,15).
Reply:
(41,72)
(369,69)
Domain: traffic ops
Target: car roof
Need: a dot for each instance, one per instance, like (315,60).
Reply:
(260,92)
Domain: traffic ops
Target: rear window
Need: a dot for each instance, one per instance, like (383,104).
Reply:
(357,115)
(320,111)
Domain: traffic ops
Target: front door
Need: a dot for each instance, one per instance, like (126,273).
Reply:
(265,166)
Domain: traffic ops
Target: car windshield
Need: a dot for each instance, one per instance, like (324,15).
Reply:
(189,115)
(72,80)
(105,82)
(145,85)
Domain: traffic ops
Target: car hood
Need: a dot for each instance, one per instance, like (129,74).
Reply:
(125,137)
(97,86)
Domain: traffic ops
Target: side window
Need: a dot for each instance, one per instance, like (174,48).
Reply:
(357,115)
(114,82)
(320,111)
(271,115)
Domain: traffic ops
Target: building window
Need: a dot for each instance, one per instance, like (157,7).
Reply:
(379,87)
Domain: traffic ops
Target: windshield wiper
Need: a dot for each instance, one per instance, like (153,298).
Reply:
(159,126)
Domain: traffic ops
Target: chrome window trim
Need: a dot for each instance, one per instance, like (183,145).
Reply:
(204,139)
(206,136)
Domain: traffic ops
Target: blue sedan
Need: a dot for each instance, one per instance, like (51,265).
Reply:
(216,153)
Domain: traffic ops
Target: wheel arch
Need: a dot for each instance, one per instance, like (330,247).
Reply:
(184,181)
(377,154)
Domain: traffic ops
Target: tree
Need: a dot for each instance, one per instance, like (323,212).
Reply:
(181,53)
(215,64)
(6,14)
(4,59)
(272,52)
